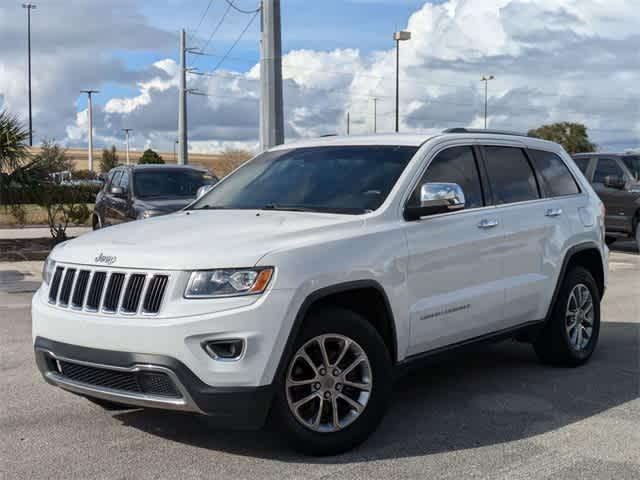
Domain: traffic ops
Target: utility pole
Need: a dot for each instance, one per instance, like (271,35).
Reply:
(126,136)
(89,93)
(348,124)
(375,115)
(400,36)
(29,7)
(486,79)
(271,110)
(183,155)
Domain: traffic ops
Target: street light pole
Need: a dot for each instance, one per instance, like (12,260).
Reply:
(126,133)
(29,7)
(89,93)
(400,36)
(486,79)
(375,115)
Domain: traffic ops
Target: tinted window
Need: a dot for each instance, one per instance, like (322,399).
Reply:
(556,177)
(124,180)
(115,178)
(169,182)
(455,165)
(339,179)
(633,163)
(510,175)
(582,163)
(607,167)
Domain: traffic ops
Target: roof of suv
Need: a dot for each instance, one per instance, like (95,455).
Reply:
(406,139)
(605,154)
(156,166)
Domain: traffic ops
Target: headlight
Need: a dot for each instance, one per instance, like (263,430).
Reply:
(47,270)
(149,213)
(228,282)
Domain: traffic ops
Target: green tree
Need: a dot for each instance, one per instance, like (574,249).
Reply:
(51,158)
(150,156)
(109,159)
(572,136)
(14,152)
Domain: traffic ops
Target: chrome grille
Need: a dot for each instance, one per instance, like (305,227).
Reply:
(108,292)
(81,288)
(55,285)
(65,292)
(155,292)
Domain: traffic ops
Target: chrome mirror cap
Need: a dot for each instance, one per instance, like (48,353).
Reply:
(449,195)
(436,198)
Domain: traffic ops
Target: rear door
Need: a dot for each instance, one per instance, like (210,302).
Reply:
(615,200)
(455,260)
(534,230)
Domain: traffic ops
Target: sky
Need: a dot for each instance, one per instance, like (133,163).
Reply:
(554,60)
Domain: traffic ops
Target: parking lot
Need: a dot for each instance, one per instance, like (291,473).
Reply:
(496,413)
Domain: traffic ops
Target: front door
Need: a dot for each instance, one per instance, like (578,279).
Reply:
(615,200)
(455,263)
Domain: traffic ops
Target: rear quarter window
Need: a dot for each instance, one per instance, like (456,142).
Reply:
(555,178)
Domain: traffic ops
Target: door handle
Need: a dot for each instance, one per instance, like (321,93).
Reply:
(485,224)
(554,212)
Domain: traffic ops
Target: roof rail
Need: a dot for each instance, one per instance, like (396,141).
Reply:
(480,130)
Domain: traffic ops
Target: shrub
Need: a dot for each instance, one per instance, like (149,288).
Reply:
(63,205)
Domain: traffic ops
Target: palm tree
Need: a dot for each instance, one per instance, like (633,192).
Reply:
(14,152)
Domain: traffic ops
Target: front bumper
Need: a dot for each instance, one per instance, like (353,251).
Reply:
(132,379)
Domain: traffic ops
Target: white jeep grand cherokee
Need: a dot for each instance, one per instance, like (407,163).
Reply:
(302,284)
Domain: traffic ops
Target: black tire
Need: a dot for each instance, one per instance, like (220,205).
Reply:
(610,240)
(638,236)
(107,405)
(553,345)
(333,320)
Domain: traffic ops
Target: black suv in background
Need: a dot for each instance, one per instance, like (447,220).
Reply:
(133,192)
(616,179)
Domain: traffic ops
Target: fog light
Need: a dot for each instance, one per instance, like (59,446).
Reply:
(224,349)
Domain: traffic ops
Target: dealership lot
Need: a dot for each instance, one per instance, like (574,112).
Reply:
(495,413)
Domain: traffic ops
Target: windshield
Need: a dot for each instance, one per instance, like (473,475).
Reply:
(350,180)
(633,164)
(170,183)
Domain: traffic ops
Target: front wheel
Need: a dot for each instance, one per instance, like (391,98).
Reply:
(336,385)
(571,335)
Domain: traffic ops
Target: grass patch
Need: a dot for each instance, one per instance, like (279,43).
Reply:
(34,215)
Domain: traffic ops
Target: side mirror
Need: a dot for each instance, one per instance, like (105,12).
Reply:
(201,192)
(614,182)
(118,192)
(436,198)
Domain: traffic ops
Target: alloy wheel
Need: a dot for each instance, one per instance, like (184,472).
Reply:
(329,383)
(579,317)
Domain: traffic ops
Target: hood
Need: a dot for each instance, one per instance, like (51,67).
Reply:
(202,239)
(164,204)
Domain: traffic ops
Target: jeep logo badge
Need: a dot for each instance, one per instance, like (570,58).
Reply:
(106,259)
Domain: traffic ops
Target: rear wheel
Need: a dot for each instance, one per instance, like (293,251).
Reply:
(571,335)
(336,385)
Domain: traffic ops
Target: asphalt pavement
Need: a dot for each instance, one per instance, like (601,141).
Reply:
(495,413)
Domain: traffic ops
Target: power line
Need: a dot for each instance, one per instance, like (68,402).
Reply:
(202,17)
(232,5)
(255,14)
(215,30)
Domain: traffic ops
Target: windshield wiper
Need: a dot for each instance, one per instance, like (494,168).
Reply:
(302,208)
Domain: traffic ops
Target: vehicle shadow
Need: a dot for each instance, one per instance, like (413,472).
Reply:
(497,394)
(625,246)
